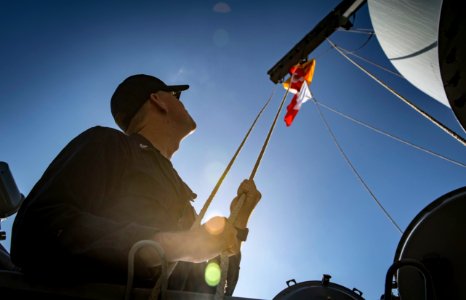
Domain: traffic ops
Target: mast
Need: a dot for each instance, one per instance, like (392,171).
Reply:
(338,17)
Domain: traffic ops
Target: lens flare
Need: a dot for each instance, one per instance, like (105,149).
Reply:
(212,171)
(221,38)
(222,7)
(212,274)
(215,226)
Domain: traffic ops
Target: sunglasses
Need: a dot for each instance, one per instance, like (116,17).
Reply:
(176,94)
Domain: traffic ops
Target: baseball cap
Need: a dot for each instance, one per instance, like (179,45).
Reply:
(133,92)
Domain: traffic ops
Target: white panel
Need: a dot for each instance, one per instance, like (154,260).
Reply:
(407,30)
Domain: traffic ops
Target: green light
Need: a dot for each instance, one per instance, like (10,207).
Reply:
(212,274)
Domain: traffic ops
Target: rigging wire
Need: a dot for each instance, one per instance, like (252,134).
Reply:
(412,105)
(391,135)
(340,149)
(358,30)
(327,51)
(371,62)
(364,44)
(371,34)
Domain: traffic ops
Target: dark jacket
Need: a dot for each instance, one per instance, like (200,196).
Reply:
(102,193)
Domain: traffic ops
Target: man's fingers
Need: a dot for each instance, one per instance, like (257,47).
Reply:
(234,248)
(232,243)
(249,188)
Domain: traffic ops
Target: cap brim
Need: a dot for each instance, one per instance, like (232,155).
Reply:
(178,88)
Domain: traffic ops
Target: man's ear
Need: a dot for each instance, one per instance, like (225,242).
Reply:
(158,102)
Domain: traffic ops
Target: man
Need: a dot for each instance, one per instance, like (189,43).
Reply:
(106,190)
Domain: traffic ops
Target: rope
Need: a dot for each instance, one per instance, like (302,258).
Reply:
(393,137)
(371,62)
(161,285)
(387,214)
(266,142)
(207,203)
(227,169)
(423,113)
(220,292)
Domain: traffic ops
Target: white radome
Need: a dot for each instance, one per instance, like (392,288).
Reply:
(407,31)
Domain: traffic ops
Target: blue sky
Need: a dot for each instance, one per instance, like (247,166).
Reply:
(61,61)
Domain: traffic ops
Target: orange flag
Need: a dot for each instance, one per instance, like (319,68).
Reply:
(301,77)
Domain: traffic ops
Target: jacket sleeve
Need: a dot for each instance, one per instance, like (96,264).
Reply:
(64,209)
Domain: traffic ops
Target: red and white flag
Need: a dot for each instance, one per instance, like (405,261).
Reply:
(301,76)
(295,104)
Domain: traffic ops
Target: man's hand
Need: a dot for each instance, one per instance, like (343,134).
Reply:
(251,198)
(223,234)
(215,237)
(198,244)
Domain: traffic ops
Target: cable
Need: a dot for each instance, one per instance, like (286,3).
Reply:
(363,31)
(387,214)
(364,44)
(357,30)
(323,53)
(420,111)
(393,137)
(371,62)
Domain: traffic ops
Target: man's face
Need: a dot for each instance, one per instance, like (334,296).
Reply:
(178,113)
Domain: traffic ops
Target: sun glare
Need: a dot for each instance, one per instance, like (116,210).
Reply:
(212,274)
(215,225)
